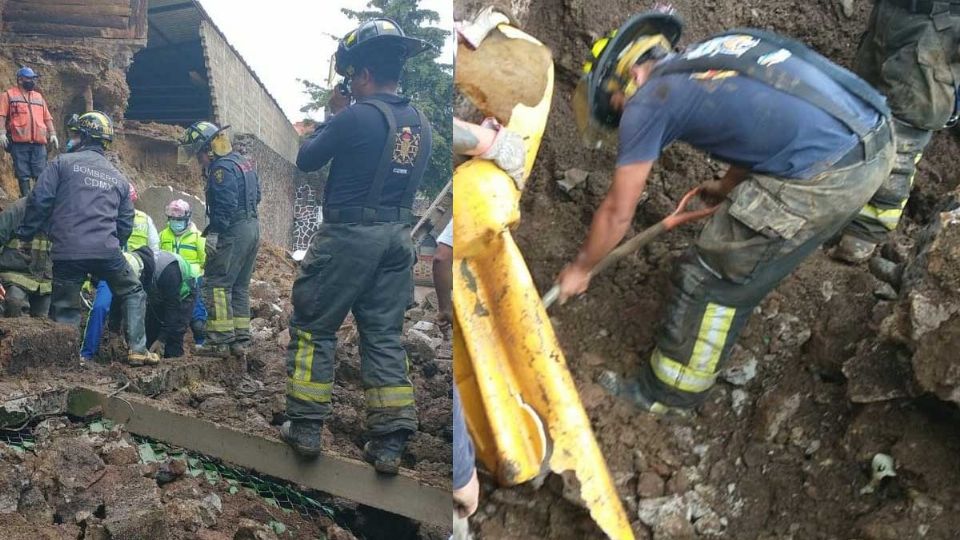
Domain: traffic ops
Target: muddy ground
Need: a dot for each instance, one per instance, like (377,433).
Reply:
(783,447)
(247,394)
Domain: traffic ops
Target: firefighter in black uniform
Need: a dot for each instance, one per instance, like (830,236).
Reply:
(233,235)
(362,257)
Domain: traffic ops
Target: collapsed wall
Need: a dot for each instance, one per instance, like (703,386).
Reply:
(155,67)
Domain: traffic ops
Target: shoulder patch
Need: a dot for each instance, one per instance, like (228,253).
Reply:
(218,176)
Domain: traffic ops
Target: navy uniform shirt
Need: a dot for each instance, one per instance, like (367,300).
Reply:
(224,194)
(354,139)
(740,121)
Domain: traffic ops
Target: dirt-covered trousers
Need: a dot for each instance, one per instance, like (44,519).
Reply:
(366,268)
(914,60)
(764,230)
(226,283)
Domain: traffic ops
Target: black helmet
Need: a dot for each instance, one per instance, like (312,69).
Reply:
(607,69)
(376,36)
(94,125)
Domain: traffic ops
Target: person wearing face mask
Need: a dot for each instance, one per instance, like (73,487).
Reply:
(26,127)
(84,205)
(182,237)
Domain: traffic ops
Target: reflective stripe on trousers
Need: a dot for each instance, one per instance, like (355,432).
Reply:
(300,385)
(699,374)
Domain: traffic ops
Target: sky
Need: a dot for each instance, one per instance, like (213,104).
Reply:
(286,40)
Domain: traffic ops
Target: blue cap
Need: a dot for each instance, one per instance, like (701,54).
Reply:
(27,73)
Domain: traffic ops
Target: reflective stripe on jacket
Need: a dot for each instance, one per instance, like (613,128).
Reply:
(27,115)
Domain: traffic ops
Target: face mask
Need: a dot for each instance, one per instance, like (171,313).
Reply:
(178,225)
(28,85)
(72,145)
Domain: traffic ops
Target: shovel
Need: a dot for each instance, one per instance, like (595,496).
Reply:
(679,216)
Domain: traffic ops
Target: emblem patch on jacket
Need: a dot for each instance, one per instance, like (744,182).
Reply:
(407,148)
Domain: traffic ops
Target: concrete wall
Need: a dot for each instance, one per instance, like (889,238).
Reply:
(278,182)
(240,100)
(154,201)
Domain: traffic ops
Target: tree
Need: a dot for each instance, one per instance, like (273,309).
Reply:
(428,82)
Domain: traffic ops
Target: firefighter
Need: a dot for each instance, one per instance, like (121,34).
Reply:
(83,203)
(808,142)
(144,234)
(27,128)
(909,54)
(171,286)
(232,236)
(361,259)
(181,236)
(26,274)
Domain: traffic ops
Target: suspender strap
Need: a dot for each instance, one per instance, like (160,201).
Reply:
(383,168)
(426,142)
(750,64)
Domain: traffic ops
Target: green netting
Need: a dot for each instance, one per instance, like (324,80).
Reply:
(21,440)
(275,492)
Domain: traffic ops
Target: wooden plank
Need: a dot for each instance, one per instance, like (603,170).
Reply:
(89,3)
(20,6)
(56,17)
(343,477)
(64,30)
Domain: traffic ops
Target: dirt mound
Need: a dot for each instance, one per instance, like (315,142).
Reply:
(783,446)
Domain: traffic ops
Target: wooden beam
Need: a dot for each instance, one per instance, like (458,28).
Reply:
(19,6)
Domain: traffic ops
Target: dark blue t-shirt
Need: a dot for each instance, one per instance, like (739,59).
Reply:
(741,121)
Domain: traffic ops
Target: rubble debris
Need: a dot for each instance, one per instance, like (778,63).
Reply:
(572,178)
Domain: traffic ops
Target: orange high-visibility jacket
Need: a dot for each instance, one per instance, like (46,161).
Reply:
(27,115)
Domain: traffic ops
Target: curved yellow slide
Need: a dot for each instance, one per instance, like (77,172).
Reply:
(520,401)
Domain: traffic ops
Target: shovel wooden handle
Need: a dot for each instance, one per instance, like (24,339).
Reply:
(678,217)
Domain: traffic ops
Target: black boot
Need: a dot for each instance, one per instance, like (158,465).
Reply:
(384,451)
(303,436)
(630,390)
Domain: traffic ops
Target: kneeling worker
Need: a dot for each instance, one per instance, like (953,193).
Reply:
(171,287)
(26,271)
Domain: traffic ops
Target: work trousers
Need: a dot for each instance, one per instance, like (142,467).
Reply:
(914,60)
(764,229)
(68,278)
(29,161)
(173,338)
(23,303)
(367,269)
(226,283)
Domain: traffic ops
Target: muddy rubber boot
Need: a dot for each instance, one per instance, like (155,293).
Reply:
(145,358)
(629,389)
(304,437)
(239,348)
(853,250)
(214,350)
(384,452)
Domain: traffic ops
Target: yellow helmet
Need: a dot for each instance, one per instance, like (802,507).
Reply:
(94,125)
(607,70)
(203,137)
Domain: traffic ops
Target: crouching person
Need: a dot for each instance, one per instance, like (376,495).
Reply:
(171,287)
(26,270)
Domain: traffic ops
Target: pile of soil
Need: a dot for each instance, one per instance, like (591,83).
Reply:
(780,450)
(250,394)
